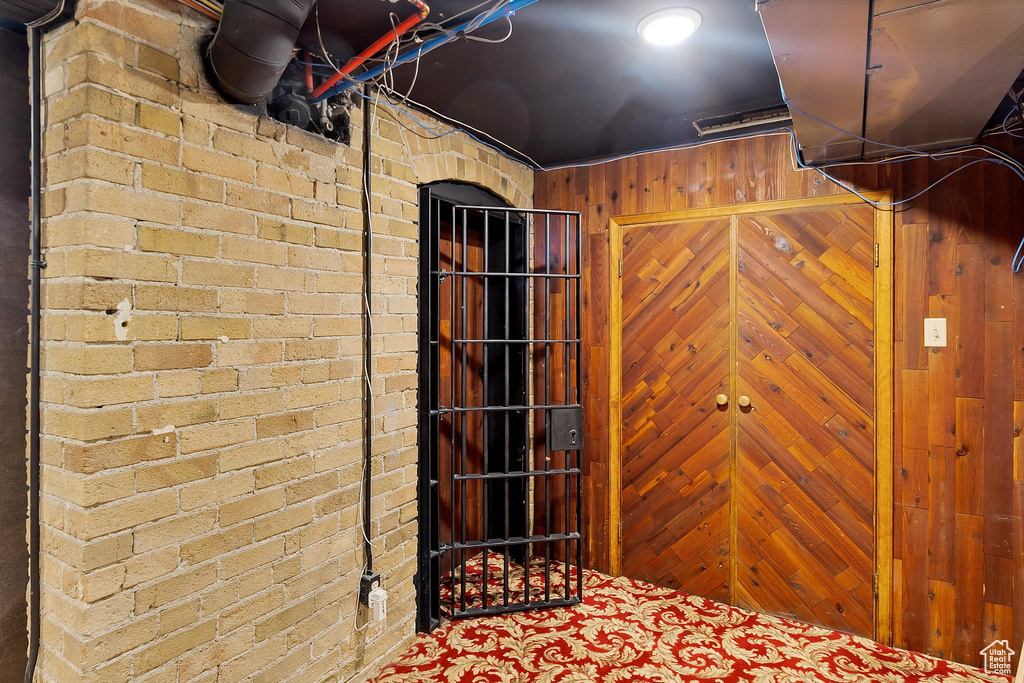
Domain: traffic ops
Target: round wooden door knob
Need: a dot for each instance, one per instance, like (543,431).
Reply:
(722,399)
(744,401)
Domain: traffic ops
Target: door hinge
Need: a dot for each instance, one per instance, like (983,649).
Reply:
(874,586)
(877,251)
(620,267)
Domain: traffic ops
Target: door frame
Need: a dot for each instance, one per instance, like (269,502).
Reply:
(884,305)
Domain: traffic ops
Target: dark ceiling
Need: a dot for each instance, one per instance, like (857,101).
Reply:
(575,81)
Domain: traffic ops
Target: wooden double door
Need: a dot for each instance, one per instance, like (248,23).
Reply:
(749,465)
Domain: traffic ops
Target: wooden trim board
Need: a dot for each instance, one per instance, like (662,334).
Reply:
(884,310)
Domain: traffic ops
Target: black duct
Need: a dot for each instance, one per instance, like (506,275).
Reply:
(254,44)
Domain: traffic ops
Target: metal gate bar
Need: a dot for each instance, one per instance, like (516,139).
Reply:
(500,468)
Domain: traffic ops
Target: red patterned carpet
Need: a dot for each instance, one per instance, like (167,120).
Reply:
(631,632)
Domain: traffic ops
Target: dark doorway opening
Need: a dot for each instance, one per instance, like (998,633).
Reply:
(499,328)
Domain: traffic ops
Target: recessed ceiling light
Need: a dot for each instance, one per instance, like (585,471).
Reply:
(669,26)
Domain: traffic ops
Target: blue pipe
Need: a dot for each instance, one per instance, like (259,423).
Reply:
(423,49)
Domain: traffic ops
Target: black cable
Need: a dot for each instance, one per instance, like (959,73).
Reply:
(368,325)
(37,264)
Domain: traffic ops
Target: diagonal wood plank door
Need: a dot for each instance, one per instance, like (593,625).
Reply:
(769,506)
(805,457)
(675,439)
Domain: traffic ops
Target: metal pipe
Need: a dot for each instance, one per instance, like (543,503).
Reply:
(377,46)
(37,264)
(423,49)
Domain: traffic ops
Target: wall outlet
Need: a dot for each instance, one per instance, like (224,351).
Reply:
(369,582)
(379,604)
(935,332)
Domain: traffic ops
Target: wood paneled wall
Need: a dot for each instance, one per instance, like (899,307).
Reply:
(959,411)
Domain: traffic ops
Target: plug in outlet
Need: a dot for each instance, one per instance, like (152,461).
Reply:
(379,604)
(367,584)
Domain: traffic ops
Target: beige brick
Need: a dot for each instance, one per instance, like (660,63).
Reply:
(314,259)
(173,618)
(89,491)
(217,274)
(98,457)
(90,163)
(219,381)
(96,393)
(91,100)
(304,489)
(143,26)
(167,649)
(172,298)
(312,395)
(149,566)
(251,404)
(91,68)
(173,181)
(313,304)
(208,658)
(216,490)
(215,328)
(177,242)
(286,279)
(252,251)
(284,668)
(244,146)
(177,384)
(92,425)
(173,356)
(253,506)
(173,531)
(254,659)
(282,181)
(88,296)
(249,611)
(115,138)
(280,522)
(317,212)
(118,201)
(88,524)
(175,472)
(189,582)
(257,556)
(103,648)
(221,165)
(262,201)
(283,619)
(277,328)
(199,550)
(159,63)
(249,353)
(257,303)
(279,425)
(100,231)
(279,231)
(217,435)
(282,472)
(251,455)
(220,218)
(178,414)
(159,120)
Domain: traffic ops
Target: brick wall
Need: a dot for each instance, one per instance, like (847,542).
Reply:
(201,367)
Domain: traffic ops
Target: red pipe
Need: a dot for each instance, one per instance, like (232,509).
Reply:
(386,39)
(309,72)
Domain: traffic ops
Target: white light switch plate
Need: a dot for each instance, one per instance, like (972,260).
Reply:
(935,332)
